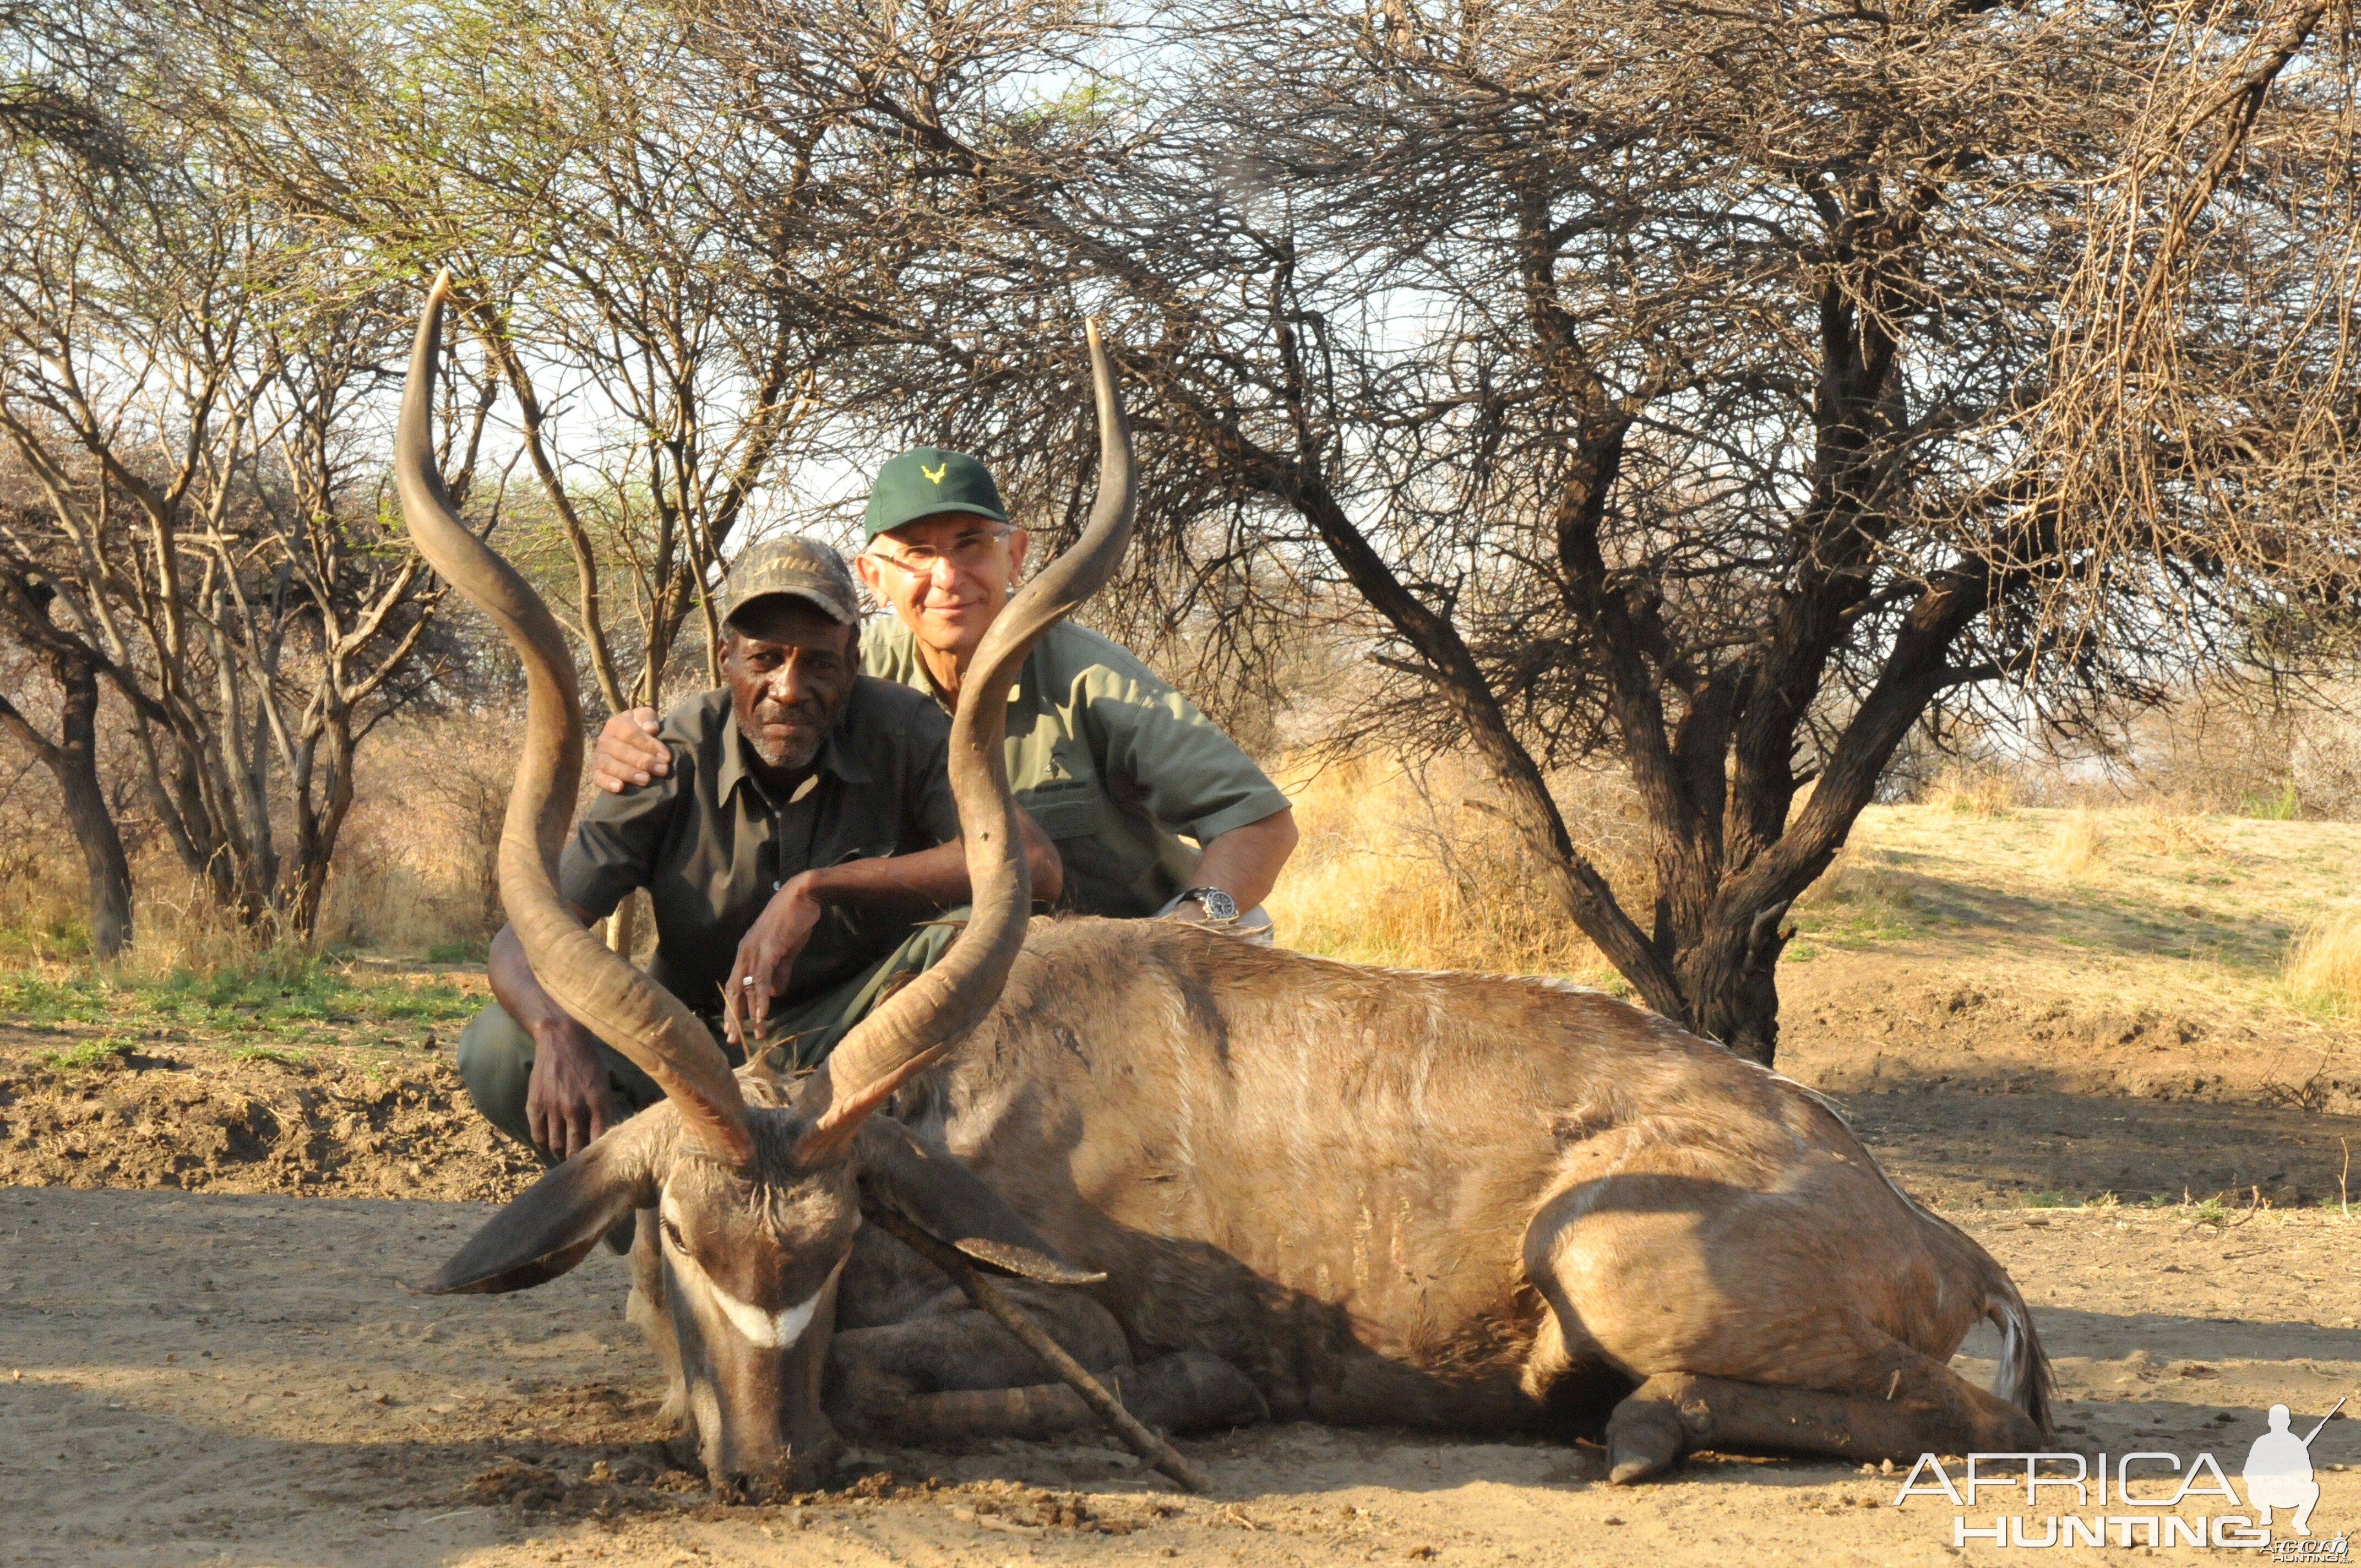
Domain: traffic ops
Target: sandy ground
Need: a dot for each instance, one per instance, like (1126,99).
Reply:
(205,1356)
(238,1380)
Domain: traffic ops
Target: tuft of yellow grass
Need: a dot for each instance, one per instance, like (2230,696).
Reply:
(1972,792)
(2324,964)
(1414,868)
(2170,828)
(2079,846)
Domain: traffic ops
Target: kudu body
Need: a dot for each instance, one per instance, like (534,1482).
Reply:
(1349,1194)
(1437,1200)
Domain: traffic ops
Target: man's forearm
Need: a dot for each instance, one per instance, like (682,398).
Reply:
(1244,862)
(517,989)
(913,886)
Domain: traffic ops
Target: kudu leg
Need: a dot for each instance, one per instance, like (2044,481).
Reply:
(957,1376)
(1182,1393)
(1923,1408)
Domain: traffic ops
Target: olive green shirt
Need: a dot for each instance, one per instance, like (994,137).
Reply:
(712,843)
(1116,765)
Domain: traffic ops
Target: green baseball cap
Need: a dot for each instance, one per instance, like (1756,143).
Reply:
(797,565)
(925,480)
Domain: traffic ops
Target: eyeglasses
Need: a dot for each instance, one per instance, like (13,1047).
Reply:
(967,550)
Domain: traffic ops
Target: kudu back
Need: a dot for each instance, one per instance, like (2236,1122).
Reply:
(1313,1188)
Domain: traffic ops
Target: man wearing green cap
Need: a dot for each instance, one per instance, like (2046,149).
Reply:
(1118,769)
(803,836)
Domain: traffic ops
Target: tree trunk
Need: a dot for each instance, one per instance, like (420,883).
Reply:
(1732,981)
(319,825)
(74,764)
(72,761)
(72,758)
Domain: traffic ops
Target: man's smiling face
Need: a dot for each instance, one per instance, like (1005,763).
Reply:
(946,576)
(790,666)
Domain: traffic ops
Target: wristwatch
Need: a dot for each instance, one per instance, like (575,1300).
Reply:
(1217,904)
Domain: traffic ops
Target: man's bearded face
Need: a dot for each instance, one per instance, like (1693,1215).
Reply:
(790,667)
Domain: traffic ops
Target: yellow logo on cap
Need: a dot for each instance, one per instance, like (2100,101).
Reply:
(935,474)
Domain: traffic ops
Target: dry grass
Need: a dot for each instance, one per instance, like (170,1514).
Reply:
(2079,846)
(2135,909)
(1859,900)
(2169,828)
(417,874)
(2153,905)
(1965,791)
(413,876)
(2324,967)
(1411,866)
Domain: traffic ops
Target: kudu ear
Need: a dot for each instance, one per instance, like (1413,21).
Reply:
(933,1190)
(553,1223)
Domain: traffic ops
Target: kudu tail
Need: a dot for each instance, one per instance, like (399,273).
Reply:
(2023,1379)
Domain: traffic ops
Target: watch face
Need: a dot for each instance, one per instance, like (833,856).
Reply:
(1217,904)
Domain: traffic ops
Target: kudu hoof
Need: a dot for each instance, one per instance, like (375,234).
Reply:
(1644,1438)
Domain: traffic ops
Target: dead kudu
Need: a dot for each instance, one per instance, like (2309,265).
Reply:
(1318,1191)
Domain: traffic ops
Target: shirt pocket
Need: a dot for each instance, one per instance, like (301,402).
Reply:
(1069,809)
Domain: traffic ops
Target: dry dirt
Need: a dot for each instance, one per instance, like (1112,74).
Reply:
(190,1378)
(188,1115)
(205,1355)
(1978,1093)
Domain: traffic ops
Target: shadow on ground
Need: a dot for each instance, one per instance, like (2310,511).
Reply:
(1961,1149)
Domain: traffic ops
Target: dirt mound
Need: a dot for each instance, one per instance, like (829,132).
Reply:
(332,1124)
(1873,1026)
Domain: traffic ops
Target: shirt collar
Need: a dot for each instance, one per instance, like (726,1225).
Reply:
(1017,688)
(834,757)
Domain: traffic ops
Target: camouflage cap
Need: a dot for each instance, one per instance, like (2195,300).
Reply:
(795,565)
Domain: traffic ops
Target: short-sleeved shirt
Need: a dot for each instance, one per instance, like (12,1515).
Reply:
(1116,765)
(712,843)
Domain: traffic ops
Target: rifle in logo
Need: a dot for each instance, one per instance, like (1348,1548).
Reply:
(2278,1470)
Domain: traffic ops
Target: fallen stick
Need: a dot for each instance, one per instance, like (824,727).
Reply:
(1150,1448)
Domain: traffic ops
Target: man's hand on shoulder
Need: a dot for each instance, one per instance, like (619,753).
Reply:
(567,1102)
(627,753)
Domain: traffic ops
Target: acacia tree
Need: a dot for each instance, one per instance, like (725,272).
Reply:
(642,262)
(1711,390)
(178,372)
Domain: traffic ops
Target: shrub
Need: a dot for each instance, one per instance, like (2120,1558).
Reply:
(1972,792)
(2324,966)
(2079,846)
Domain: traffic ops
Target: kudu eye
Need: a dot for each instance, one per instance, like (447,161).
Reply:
(672,1234)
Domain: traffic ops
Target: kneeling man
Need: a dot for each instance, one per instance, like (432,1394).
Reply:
(1119,769)
(802,836)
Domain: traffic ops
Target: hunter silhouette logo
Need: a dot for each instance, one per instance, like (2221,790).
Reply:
(2278,1476)
(935,475)
(2278,1470)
